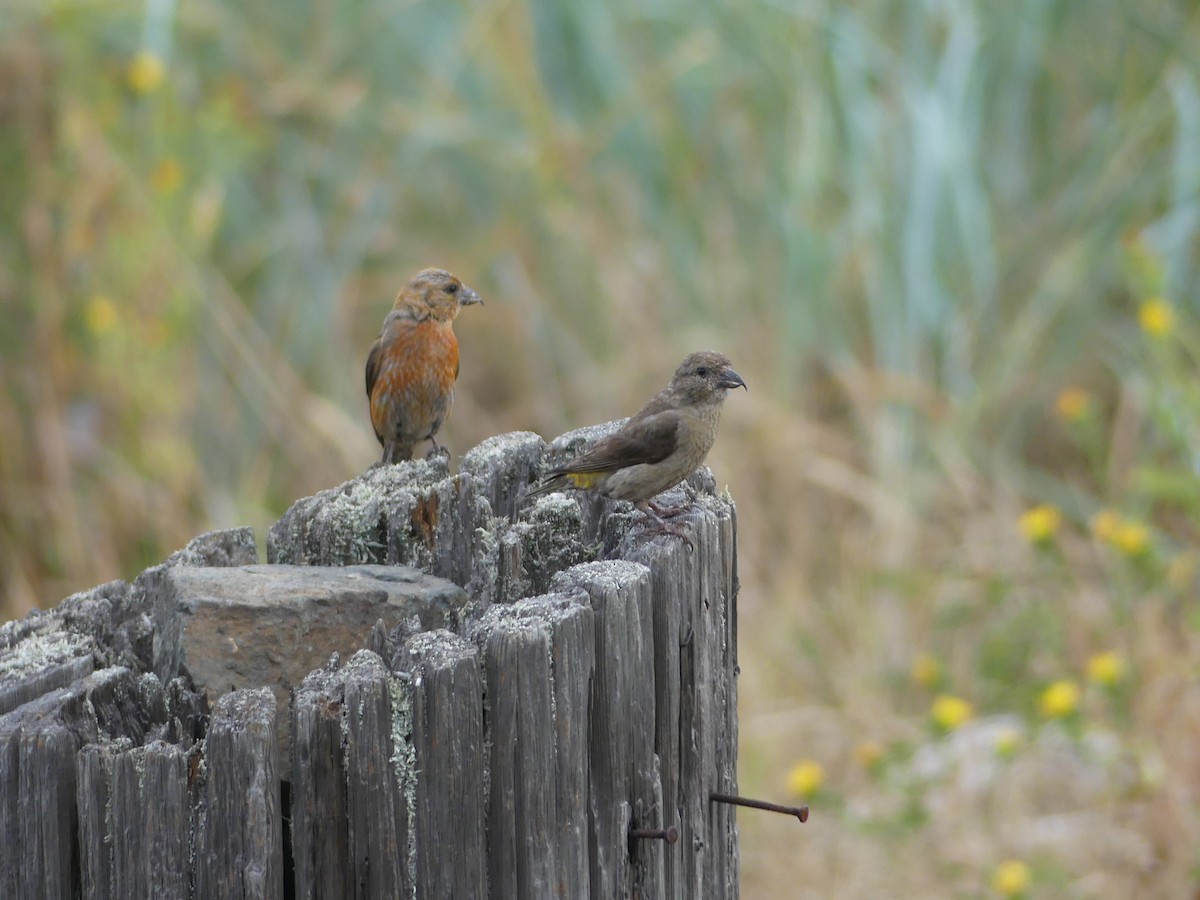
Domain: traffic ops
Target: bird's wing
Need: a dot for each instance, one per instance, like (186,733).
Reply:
(641,441)
(402,318)
(374,360)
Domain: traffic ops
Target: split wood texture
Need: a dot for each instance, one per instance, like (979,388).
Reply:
(428,691)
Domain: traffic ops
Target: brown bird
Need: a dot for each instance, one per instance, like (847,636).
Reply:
(660,445)
(413,364)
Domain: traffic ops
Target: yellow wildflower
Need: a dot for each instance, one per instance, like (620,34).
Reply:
(1059,699)
(1073,404)
(100,314)
(1040,524)
(926,671)
(145,72)
(1104,524)
(868,754)
(1007,742)
(166,176)
(805,778)
(1106,668)
(1156,317)
(1131,538)
(1011,878)
(949,712)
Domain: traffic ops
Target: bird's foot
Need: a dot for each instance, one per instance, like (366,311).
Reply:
(657,526)
(667,512)
(438,452)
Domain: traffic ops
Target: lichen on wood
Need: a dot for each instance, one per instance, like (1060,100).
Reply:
(448,691)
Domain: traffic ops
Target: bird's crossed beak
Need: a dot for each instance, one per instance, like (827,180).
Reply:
(731,379)
(467,297)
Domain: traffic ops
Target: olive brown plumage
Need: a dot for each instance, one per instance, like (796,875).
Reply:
(663,443)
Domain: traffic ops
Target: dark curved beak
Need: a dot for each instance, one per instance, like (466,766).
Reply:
(467,297)
(731,379)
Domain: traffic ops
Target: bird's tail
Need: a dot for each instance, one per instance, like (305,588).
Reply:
(555,482)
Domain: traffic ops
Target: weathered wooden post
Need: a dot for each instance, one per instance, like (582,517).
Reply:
(427,691)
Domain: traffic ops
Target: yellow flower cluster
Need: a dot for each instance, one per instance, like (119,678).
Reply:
(1156,317)
(1073,404)
(950,713)
(1129,536)
(1011,878)
(1106,669)
(1059,699)
(1040,524)
(805,778)
(145,72)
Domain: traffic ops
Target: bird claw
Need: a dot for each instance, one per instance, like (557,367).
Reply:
(438,452)
(667,512)
(661,527)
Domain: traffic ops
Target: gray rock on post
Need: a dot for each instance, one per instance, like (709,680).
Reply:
(255,626)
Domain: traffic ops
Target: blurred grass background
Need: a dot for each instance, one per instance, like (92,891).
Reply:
(952,246)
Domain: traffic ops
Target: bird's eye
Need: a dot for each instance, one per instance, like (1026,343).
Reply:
(452,288)
(702,371)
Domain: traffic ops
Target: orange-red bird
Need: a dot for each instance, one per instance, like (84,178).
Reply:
(413,364)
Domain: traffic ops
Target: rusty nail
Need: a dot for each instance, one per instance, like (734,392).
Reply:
(670,835)
(800,812)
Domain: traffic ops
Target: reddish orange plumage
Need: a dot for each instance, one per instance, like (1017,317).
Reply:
(413,365)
